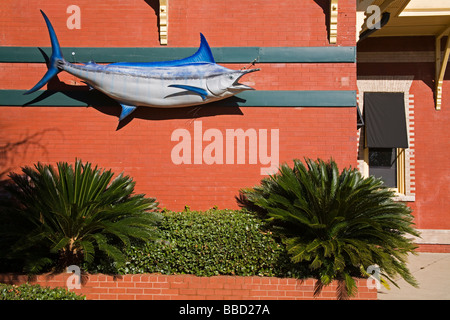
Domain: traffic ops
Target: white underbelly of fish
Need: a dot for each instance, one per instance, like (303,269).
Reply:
(150,92)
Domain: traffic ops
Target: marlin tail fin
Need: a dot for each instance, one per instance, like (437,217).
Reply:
(55,59)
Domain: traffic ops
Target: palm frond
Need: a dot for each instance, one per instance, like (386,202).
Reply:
(335,222)
(75,211)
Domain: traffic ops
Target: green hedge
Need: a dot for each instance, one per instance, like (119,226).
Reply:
(36,292)
(213,242)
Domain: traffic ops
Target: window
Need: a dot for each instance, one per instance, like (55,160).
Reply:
(405,161)
(389,165)
(383,164)
(386,137)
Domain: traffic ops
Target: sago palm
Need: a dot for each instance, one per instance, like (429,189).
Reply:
(66,215)
(338,223)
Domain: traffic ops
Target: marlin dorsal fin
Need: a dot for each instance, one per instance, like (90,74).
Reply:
(203,53)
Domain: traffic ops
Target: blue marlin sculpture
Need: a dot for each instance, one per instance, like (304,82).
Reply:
(190,81)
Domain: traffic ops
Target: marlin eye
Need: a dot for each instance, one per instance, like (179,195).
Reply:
(231,77)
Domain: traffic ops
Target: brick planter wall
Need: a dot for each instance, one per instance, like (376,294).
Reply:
(188,287)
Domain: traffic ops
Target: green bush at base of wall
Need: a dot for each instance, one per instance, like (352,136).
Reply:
(208,243)
(36,292)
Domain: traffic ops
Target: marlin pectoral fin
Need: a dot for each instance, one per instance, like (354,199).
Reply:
(202,92)
(126,111)
(89,86)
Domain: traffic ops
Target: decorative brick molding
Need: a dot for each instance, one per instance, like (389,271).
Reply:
(189,287)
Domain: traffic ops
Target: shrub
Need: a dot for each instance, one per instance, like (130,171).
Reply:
(36,292)
(68,215)
(213,242)
(336,224)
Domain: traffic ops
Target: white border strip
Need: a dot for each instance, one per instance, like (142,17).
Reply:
(433,236)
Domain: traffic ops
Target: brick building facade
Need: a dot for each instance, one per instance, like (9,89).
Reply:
(407,56)
(307,92)
(143,147)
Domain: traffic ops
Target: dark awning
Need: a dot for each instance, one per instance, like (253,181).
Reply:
(359,119)
(385,120)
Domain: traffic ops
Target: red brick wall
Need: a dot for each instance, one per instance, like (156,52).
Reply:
(439,248)
(133,23)
(187,287)
(432,146)
(142,148)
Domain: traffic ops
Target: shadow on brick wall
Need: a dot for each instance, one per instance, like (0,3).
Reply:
(11,150)
(154,4)
(325,5)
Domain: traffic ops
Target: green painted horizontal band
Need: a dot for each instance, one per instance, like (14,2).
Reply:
(308,98)
(83,98)
(221,54)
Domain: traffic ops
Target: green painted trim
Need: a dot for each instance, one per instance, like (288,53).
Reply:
(221,54)
(83,98)
(308,98)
